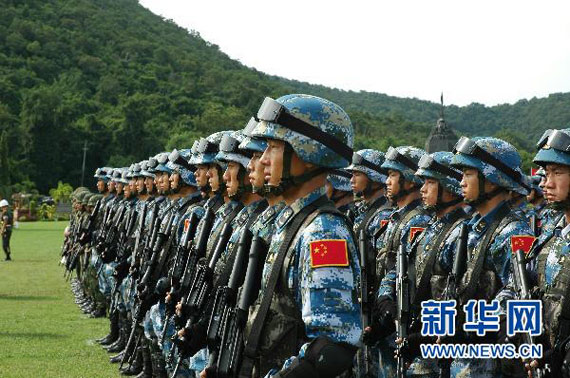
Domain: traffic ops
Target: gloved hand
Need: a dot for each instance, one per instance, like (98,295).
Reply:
(384,315)
(411,348)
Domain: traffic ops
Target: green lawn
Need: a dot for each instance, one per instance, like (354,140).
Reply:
(42,331)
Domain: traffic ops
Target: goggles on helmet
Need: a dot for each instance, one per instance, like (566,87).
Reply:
(429,163)
(175,158)
(250,126)
(468,146)
(360,160)
(341,172)
(162,158)
(555,139)
(205,146)
(272,111)
(393,154)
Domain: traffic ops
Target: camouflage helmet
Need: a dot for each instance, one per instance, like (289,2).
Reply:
(318,130)
(125,175)
(208,148)
(80,196)
(162,160)
(93,200)
(101,174)
(178,162)
(151,165)
(110,172)
(250,143)
(553,148)
(496,160)
(369,162)
(145,170)
(340,180)
(230,151)
(194,152)
(535,184)
(404,159)
(78,191)
(85,198)
(438,166)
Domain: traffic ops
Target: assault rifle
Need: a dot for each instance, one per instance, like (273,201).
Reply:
(110,245)
(524,293)
(451,289)
(533,222)
(366,290)
(232,343)
(403,309)
(200,291)
(86,234)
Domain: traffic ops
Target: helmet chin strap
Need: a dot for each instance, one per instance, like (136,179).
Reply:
(242,188)
(484,196)
(288,181)
(440,205)
(403,192)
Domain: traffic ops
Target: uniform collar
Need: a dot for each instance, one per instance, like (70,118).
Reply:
(398,213)
(289,211)
(480,223)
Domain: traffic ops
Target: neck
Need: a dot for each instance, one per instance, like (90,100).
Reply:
(407,199)
(273,200)
(374,195)
(305,188)
(441,213)
(226,198)
(143,197)
(249,197)
(185,191)
(486,207)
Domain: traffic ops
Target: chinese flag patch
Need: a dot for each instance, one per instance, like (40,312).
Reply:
(186,225)
(330,252)
(523,242)
(383,223)
(414,231)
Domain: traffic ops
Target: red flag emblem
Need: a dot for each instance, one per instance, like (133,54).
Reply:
(186,225)
(533,171)
(329,252)
(383,222)
(523,242)
(414,231)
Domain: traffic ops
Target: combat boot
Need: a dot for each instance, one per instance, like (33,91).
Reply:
(113,332)
(117,358)
(137,365)
(118,345)
(147,360)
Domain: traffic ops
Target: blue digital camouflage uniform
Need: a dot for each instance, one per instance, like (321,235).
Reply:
(110,202)
(440,270)
(325,296)
(106,278)
(264,226)
(497,259)
(122,300)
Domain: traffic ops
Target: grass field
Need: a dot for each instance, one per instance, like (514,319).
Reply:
(42,331)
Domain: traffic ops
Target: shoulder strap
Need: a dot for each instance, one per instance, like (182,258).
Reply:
(252,344)
(422,285)
(374,207)
(480,252)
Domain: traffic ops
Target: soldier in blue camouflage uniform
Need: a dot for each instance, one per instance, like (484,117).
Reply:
(368,184)
(409,217)
(340,192)
(491,169)
(548,259)
(434,249)
(310,310)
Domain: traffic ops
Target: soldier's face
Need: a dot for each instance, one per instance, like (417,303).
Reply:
(470,184)
(231,178)
(255,169)
(201,175)
(149,183)
(140,184)
(101,186)
(213,177)
(393,183)
(132,185)
(272,161)
(429,192)
(119,187)
(557,182)
(175,181)
(111,186)
(165,182)
(358,181)
(127,190)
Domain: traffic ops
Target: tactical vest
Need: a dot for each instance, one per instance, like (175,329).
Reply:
(430,277)
(554,296)
(386,257)
(480,281)
(283,332)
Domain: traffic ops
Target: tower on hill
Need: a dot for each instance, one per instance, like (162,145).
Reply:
(441,137)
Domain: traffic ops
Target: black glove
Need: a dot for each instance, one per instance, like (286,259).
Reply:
(384,315)
(411,348)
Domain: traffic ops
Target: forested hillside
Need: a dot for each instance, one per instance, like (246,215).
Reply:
(131,84)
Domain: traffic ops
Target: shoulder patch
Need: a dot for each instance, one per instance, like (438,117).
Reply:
(383,223)
(329,252)
(415,231)
(524,242)
(186,225)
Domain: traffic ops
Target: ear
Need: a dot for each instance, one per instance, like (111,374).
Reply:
(408,185)
(489,186)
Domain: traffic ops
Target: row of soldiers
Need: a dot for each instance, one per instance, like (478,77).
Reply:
(276,250)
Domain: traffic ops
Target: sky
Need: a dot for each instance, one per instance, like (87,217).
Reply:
(490,52)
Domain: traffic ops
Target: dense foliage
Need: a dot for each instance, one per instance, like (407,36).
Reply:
(132,84)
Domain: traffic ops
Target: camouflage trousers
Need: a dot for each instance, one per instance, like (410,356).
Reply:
(386,360)
(467,368)
(106,279)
